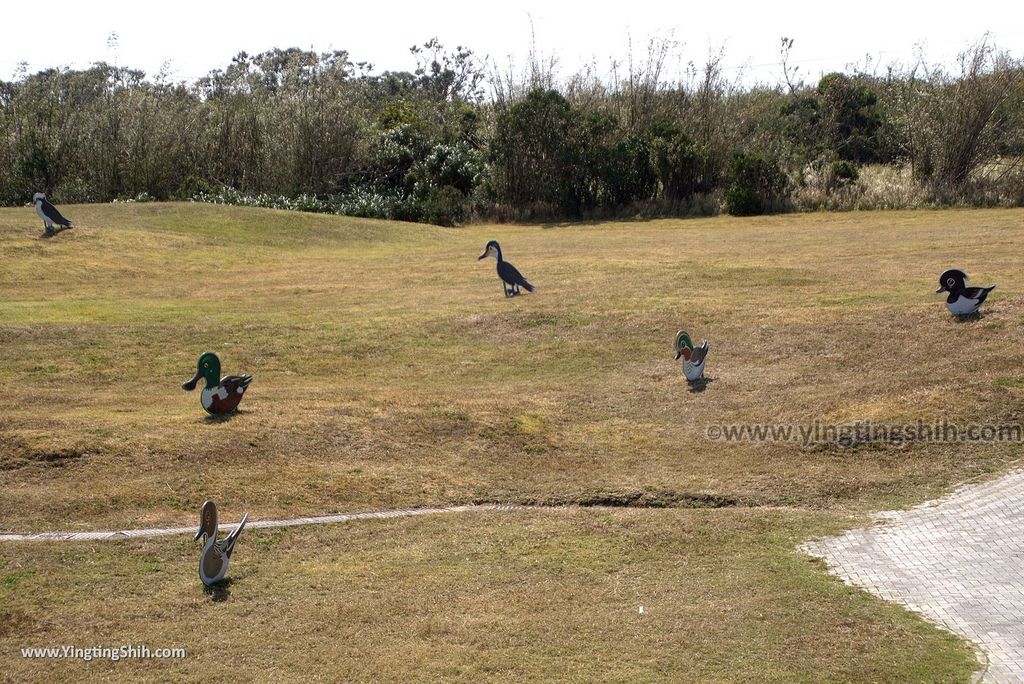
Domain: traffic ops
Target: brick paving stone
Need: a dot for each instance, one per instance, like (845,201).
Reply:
(958,560)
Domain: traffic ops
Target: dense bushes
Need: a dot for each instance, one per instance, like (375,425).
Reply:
(757,185)
(318,132)
(549,155)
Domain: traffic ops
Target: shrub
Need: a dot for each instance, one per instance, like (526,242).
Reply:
(444,206)
(844,173)
(457,165)
(531,150)
(74,191)
(319,132)
(758,185)
(852,118)
(679,164)
(139,198)
(950,124)
(193,185)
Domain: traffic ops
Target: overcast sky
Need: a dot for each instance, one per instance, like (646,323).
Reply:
(195,37)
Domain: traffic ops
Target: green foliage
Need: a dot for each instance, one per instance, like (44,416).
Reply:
(457,166)
(851,119)
(74,191)
(192,186)
(304,129)
(801,125)
(844,173)
(444,206)
(531,150)
(758,185)
(623,167)
(841,118)
(681,167)
(547,152)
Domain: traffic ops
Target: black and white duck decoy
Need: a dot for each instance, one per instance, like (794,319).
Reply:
(511,278)
(213,561)
(49,214)
(962,300)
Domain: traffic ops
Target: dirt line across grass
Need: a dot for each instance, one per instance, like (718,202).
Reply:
(258,524)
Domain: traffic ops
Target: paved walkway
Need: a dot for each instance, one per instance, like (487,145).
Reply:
(958,560)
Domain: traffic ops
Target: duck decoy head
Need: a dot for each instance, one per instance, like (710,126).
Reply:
(952,280)
(492,249)
(207,520)
(684,345)
(207,367)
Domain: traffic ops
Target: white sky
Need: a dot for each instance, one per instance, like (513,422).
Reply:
(195,37)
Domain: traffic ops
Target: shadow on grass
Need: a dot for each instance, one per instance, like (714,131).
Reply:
(219,592)
(969,318)
(698,386)
(223,417)
(56,230)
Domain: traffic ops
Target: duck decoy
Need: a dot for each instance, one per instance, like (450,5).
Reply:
(221,395)
(962,300)
(693,364)
(49,214)
(511,278)
(213,561)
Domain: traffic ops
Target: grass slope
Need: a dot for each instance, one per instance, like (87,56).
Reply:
(390,371)
(484,597)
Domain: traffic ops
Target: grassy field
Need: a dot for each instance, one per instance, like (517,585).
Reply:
(390,372)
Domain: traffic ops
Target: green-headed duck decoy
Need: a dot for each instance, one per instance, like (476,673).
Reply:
(221,395)
(213,561)
(511,278)
(693,364)
(962,300)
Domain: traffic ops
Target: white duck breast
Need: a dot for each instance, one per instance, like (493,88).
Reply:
(693,371)
(693,368)
(210,393)
(963,306)
(46,219)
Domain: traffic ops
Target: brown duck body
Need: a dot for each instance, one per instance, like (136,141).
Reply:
(226,395)
(218,396)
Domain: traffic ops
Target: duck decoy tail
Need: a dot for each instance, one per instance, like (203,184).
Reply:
(229,541)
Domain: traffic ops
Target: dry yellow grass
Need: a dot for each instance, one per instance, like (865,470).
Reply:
(545,596)
(390,371)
